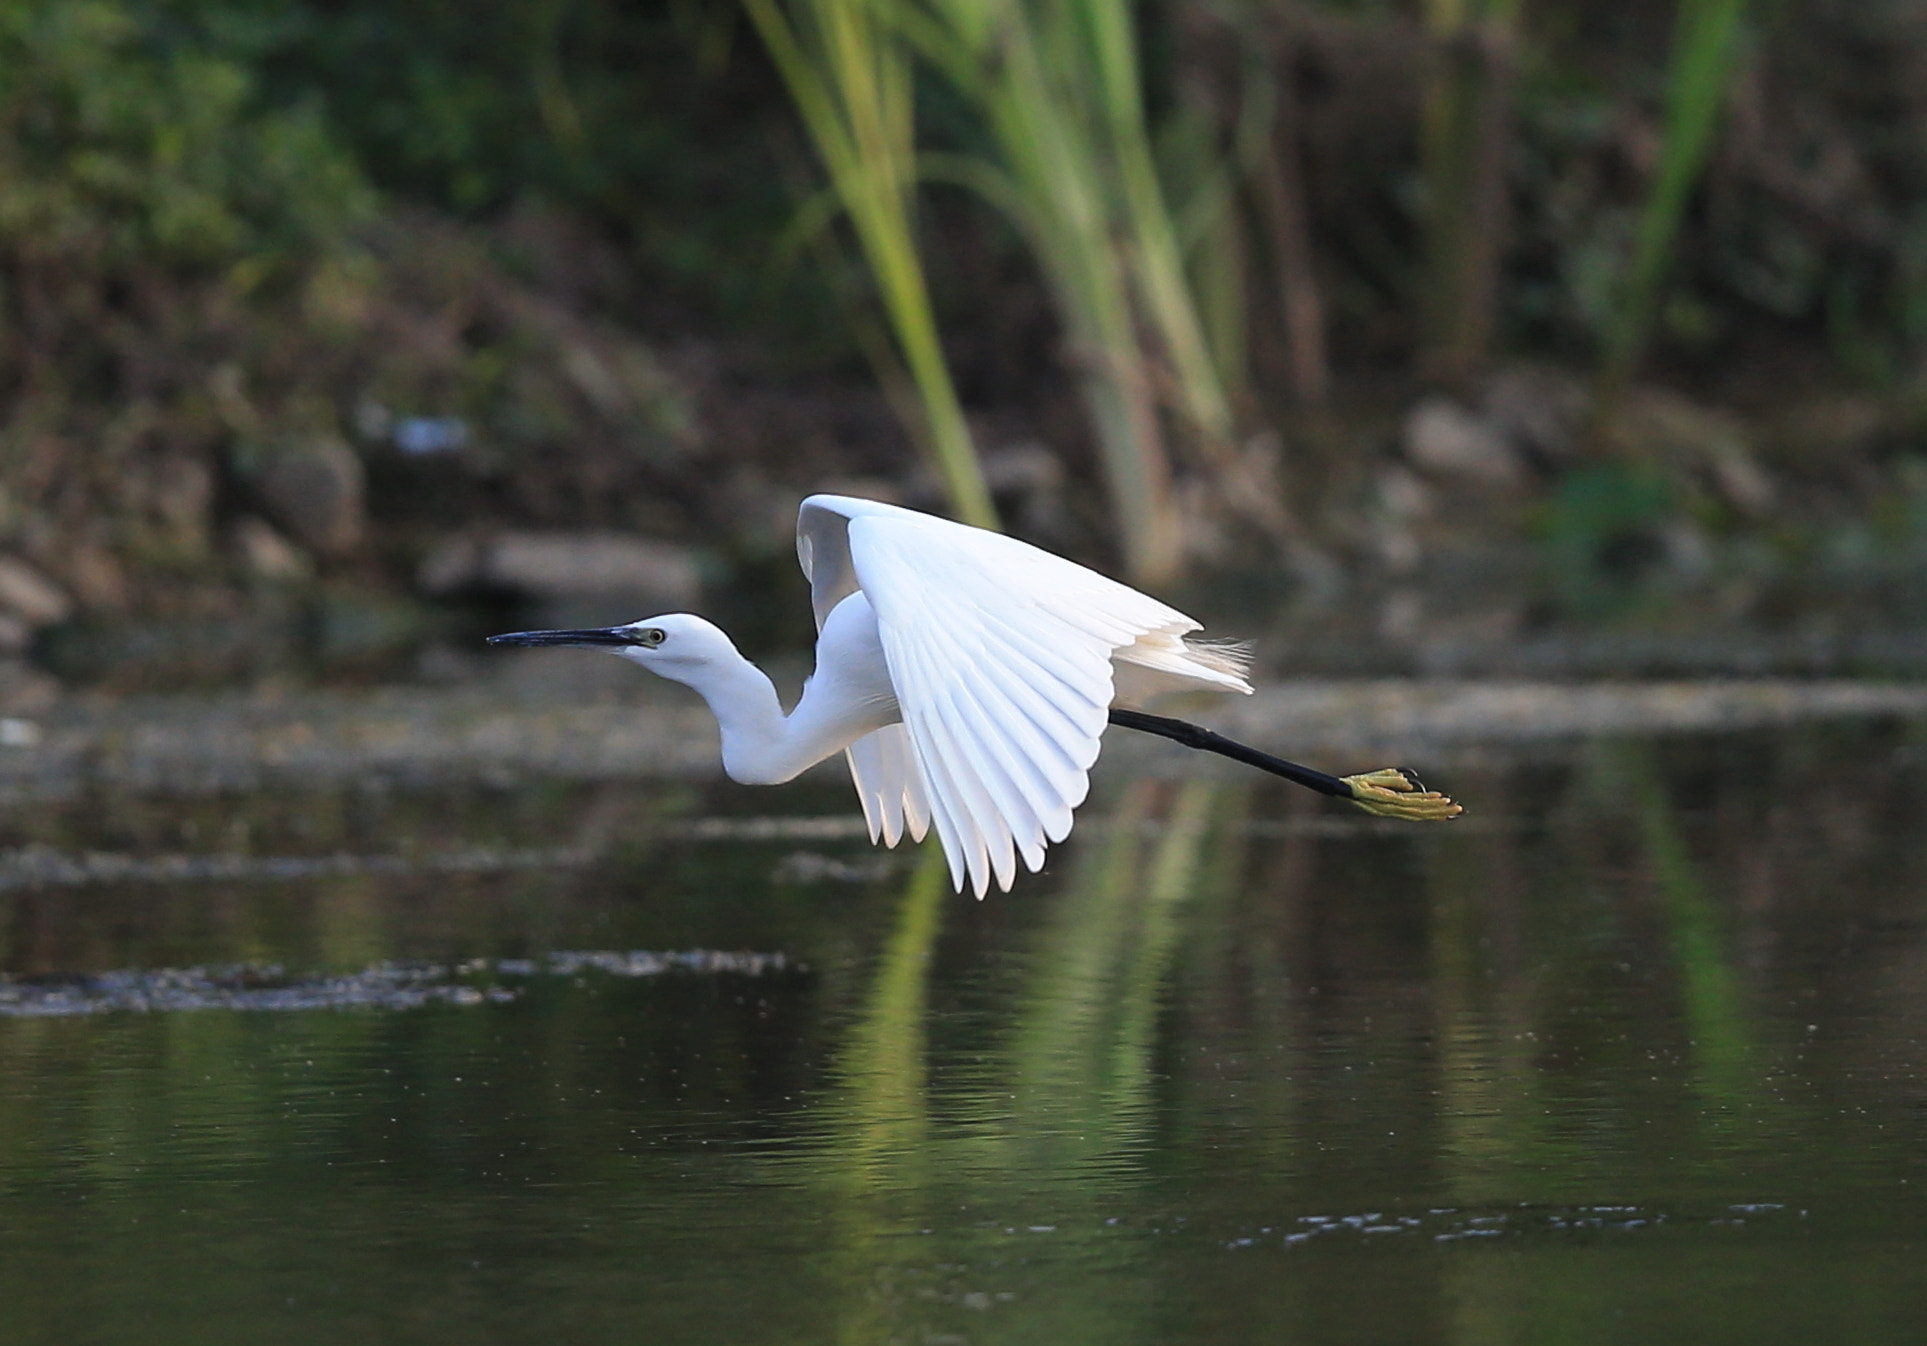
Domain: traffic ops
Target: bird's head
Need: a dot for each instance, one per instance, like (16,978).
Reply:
(678,645)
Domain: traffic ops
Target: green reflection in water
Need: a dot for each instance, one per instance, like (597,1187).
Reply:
(1064,1112)
(883,1101)
(1710,993)
(877,1162)
(1080,1047)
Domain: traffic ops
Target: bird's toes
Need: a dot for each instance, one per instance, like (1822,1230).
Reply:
(1386,778)
(1393,793)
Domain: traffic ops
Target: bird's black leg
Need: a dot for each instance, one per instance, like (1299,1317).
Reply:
(1197,736)
(1390,792)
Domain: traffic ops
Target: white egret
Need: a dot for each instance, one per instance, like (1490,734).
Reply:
(968,678)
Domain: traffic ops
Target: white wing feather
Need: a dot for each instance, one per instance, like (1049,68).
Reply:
(884,770)
(882,765)
(1001,658)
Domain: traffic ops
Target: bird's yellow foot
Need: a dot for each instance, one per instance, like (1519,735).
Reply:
(1391,792)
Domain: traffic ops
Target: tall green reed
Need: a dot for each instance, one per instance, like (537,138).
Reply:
(1057,86)
(851,80)
(1706,48)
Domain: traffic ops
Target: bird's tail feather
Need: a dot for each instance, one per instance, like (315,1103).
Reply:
(1201,664)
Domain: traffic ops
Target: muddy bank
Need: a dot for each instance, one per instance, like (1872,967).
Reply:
(416,736)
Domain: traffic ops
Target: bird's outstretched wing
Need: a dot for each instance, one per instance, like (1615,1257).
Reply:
(1001,658)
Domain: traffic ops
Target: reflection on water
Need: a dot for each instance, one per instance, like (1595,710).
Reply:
(1635,1056)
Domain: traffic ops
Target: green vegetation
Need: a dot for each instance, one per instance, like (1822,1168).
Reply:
(1200,254)
(1057,88)
(121,156)
(851,80)
(1705,50)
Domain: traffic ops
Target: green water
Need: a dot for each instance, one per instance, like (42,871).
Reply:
(1638,1053)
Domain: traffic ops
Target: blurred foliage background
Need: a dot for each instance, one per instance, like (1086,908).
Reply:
(1324,292)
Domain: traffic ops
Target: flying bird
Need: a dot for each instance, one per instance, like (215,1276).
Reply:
(968,678)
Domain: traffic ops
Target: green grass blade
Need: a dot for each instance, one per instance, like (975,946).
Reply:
(1706,45)
(851,82)
(1057,87)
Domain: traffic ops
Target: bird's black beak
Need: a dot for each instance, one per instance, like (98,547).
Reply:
(599,638)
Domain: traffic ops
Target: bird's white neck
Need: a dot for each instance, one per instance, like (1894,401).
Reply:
(763,746)
(850,695)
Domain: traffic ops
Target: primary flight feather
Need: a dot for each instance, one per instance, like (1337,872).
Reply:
(968,679)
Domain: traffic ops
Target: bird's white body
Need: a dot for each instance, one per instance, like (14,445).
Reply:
(967,676)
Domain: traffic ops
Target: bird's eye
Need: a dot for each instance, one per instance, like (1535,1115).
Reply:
(651,636)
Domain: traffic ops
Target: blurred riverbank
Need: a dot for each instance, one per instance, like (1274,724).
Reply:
(513,732)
